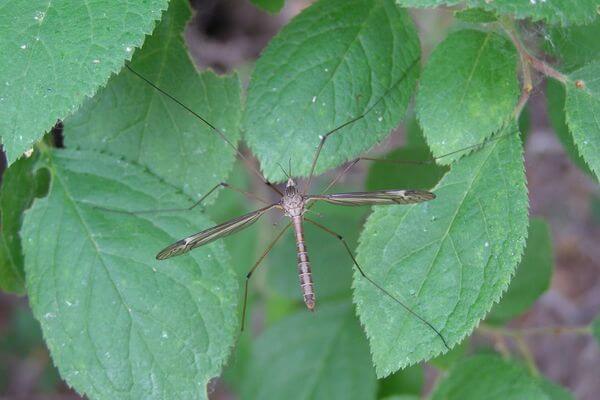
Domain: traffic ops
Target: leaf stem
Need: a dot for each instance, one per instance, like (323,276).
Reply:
(549,330)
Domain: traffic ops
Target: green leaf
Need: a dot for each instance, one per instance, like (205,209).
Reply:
(131,119)
(596,328)
(58,53)
(423,174)
(312,356)
(468,89)
(407,381)
(565,12)
(330,262)
(402,397)
(532,278)
(272,6)
(305,84)
(475,15)
(555,103)
(582,108)
(20,185)
(488,377)
(449,259)
(118,323)
(575,46)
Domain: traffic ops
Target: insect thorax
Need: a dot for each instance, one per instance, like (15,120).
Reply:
(292,201)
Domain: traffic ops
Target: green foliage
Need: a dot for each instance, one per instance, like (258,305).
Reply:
(596,328)
(112,316)
(564,12)
(304,85)
(555,99)
(489,377)
(329,360)
(120,324)
(20,185)
(582,107)
(468,89)
(532,278)
(475,15)
(448,260)
(407,381)
(273,6)
(55,54)
(131,119)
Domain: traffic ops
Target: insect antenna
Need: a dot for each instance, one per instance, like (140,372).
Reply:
(207,123)
(283,170)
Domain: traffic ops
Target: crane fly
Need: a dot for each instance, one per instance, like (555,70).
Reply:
(294,203)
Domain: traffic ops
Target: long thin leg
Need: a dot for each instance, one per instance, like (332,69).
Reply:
(213,127)
(255,266)
(324,137)
(197,203)
(341,238)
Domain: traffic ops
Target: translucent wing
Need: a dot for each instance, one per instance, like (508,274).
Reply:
(201,238)
(378,197)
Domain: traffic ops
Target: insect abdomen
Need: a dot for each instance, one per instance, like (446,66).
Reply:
(304,272)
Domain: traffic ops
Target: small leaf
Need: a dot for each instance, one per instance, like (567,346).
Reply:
(596,327)
(532,278)
(410,380)
(312,356)
(117,322)
(306,84)
(131,119)
(488,377)
(60,53)
(475,15)
(574,45)
(565,12)
(582,108)
(272,6)
(468,89)
(449,259)
(20,185)
(330,262)
(555,103)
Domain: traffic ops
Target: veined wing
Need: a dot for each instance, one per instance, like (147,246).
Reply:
(201,238)
(378,197)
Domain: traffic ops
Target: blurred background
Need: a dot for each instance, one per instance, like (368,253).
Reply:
(230,34)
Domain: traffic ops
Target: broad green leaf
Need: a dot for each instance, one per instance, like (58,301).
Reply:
(306,84)
(118,323)
(55,54)
(321,355)
(488,377)
(402,397)
(475,15)
(331,265)
(582,108)
(273,6)
(133,120)
(20,185)
(407,381)
(449,259)
(565,12)
(532,278)
(555,103)
(468,90)
(575,45)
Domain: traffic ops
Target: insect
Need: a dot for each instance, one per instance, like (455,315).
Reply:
(294,203)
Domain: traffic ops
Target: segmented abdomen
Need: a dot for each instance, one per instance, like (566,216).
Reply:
(304,273)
